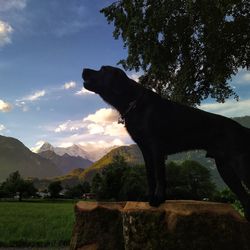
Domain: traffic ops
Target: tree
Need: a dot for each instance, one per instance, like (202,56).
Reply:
(15,185)
(134,184)
(112,179)
(78,190)
(96,185)
(54,189)
(188,49)
(189,180)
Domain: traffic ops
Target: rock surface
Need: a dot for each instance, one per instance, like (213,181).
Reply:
(175,225)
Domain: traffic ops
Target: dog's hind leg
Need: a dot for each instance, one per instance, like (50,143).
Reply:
(231,178)
(244,169)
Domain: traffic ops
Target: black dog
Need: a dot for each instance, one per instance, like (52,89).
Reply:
(161,127)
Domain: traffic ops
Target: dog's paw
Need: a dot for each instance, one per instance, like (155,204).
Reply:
(156,201)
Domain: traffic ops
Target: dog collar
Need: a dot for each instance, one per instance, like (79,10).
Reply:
(131,106)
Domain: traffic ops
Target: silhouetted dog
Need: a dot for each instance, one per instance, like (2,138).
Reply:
(161,127)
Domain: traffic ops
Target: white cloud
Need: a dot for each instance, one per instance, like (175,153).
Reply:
(103,122)
(115,129)
(69,85)
(135,76)
(96,133)
(246,77)
(6,5)
(22,103)
(95,129)
(5,106)
(70,126)
(2,127)
(84,91)
(5,33)
(103,116)
(99,126)
(94,145)
(35,96)
(230,108)
(242,78)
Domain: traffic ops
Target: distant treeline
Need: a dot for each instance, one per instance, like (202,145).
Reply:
(119,181)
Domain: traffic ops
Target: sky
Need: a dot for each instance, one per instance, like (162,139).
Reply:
(44,45)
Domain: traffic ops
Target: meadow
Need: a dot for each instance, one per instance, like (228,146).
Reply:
(36,223)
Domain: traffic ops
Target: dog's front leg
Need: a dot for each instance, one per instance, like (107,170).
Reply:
(149,164)
(160,176)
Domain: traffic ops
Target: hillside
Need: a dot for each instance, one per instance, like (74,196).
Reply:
(66,163)
(15,156)
(132,155)
(244,121)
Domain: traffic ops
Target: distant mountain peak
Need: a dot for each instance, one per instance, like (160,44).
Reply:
(46,146)
(73,150)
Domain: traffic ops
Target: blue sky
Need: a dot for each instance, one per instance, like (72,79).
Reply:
(44,44)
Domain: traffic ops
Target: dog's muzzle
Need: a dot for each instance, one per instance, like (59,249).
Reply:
(89,77)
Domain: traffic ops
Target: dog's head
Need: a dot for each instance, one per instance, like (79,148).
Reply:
(107,79)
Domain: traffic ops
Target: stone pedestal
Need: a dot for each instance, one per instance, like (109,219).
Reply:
(175,225)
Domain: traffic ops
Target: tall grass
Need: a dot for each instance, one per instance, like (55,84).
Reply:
(36,223)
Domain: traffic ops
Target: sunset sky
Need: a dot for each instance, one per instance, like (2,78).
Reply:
(44,44)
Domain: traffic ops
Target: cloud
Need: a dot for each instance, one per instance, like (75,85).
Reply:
(68,126)
(6,5)
(5,33)
(83,92)
(96,133)
(230,108)
(242,78)
(103,116)
(135,76)
(103,124)
(95,129)
(2,127)
(22,103)
(69,85)
(5,106)
(246,77)
(35,96)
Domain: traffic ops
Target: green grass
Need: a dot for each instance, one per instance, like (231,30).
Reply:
(36,223)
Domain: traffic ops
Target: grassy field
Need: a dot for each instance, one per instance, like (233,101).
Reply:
(36,223)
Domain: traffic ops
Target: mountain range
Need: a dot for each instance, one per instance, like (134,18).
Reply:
(14,156)
(75,163)
(66,163)
(74,150)
(46,162)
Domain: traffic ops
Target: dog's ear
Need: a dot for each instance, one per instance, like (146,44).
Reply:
(120,82)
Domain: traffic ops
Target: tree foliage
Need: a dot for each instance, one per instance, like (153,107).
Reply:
(189,180)
(188,49)
(119,182)
(54,189)
(16,185)
(78,190)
